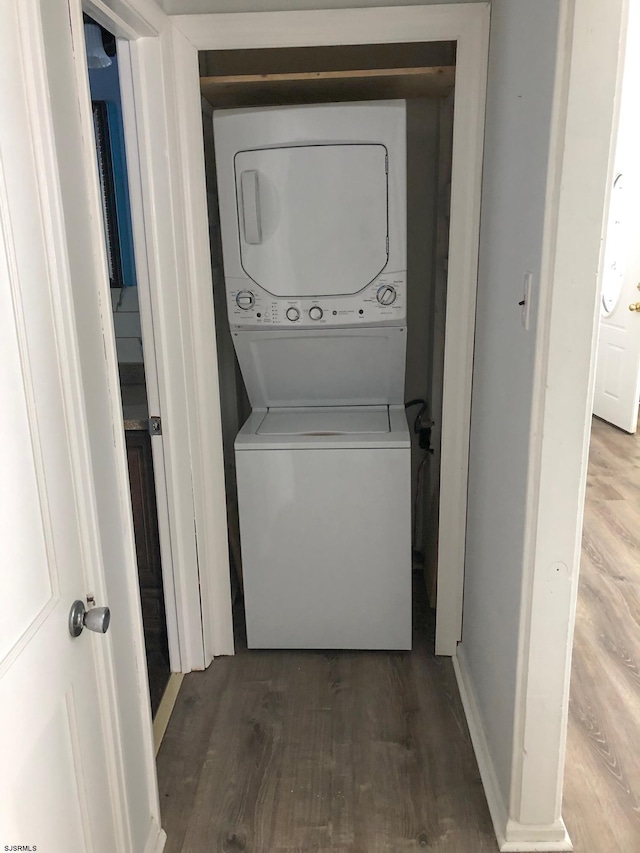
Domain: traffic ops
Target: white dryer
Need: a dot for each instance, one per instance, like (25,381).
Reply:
(312,204)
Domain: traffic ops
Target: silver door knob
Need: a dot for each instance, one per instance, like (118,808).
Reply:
(97,619)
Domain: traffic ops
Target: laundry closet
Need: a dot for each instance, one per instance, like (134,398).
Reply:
(328,174)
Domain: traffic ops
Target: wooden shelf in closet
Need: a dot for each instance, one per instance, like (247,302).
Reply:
(244,90)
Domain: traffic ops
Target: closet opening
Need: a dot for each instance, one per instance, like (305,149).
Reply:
(420,76)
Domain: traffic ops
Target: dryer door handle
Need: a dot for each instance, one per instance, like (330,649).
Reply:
(250,190)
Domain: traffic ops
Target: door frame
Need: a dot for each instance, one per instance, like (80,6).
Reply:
(173,321)
(468,25)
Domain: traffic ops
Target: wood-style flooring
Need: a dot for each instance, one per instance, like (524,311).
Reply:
(602,779)
(367,752)
(323,751)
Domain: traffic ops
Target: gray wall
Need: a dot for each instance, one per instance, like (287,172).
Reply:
(422,182)
(521,81)
(234,406)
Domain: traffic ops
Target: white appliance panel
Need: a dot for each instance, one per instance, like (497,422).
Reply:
(313,218)
(323,367)
(250,436)
(305,235)
(326,548)
(382,301)
(323,421)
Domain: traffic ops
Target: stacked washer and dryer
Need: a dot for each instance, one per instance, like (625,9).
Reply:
(313,220)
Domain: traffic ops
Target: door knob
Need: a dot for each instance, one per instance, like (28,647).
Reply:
(635,306)
(97,619)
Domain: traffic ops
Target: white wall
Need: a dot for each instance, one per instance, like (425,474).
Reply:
(519,111)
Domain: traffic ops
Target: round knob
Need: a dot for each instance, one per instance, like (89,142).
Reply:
(635,306)
(386,294)
(315,312)
(245,300)
(97,619)
(293,314)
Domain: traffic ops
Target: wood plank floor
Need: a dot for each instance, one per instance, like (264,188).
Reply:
(602,780)
(366,752)
(313,751)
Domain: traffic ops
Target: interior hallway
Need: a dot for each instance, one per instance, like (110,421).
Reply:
(602,783)
(369,751)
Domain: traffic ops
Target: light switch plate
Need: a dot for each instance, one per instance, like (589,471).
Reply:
(526,300)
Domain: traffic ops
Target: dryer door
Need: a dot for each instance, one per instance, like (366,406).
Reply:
(313,219)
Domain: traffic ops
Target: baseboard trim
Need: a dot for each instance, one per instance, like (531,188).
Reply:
(156,839)
(167,703)
(512,837)
(495,800)
(552,838)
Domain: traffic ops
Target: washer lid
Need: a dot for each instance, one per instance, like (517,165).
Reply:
(323,421)
(285,368)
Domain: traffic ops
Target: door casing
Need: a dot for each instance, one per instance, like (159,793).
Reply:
(468,26)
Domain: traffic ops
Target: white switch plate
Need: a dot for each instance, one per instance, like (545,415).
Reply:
(526,300)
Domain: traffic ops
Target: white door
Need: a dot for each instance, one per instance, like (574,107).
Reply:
(617,389)
(75,736)
(55,785)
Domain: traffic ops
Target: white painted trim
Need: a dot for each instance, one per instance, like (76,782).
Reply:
(512,837)
(468,25)
(128,19)
(207,454)
(156,839)
(165,709)
(512,844)
(132,132)
(562,398)
(383,24)
(154,105)
(464,228)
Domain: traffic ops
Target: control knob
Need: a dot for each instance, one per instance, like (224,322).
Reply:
(386,294)
(245,300)
(293,314)
(315,312)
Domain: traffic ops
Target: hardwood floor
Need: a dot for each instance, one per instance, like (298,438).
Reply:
(367,752)
(602,780)
(313,751)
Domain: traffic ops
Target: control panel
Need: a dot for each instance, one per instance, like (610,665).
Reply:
(383,300)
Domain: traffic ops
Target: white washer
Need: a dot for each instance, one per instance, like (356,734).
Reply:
(325,524)
(312,204)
